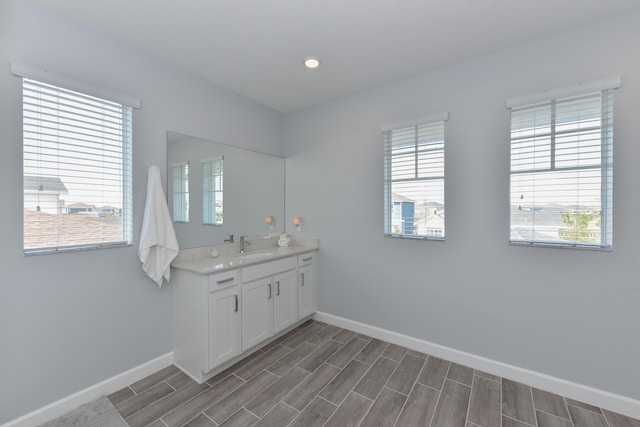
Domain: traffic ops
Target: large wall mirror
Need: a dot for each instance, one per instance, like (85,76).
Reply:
(215,190)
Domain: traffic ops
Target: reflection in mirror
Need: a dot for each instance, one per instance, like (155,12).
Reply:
(212,191)
(180,186)
(207,207)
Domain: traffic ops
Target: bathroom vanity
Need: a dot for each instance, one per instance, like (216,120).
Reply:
(227,307)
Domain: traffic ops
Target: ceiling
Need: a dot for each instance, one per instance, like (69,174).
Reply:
(256,47)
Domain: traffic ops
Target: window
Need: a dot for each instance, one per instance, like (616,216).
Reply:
(180,174)
(414,180)
(76,166)
(562,168)
(212,191)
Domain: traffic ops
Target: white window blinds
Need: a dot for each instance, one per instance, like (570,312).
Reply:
(212,191)
(180,196)
(414,180)
(562,171)
(77,169)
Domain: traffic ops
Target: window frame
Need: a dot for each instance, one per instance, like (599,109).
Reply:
(180,195)
(212,186)
(548,101)
(64,85)
(438,120)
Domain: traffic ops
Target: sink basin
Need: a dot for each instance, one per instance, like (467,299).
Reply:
(255,256)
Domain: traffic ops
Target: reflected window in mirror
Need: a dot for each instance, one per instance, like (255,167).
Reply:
(180,205)
(212,191)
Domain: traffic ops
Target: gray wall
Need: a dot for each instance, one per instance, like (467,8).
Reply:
(571,314)
(70,321)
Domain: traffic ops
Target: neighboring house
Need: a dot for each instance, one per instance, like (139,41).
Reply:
(81,208)
(109,211)
(42,194)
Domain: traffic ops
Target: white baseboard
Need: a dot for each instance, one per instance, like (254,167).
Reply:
(603,399)
(108,386)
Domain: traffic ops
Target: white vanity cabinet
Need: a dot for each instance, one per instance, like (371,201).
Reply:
(224,326)
(206,320)
(269,300)
(220,317)
(307,284)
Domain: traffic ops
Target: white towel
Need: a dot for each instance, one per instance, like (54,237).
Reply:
(158,243)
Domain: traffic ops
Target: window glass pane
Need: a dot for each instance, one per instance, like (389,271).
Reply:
(180,186)
(77,169)
(212,191)
(414,181)
(561,183)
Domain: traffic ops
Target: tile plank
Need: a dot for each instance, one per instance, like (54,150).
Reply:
(324,335)
(548,420)
(242,418)
(342,384)
(419,408)
(315,414)
(434,372)
(280,415)
(517,401)
(120,396)
(343,336)
(343,356)
(320,355)
(385,409)
(288,361)
(372,351)
(550,403)
(352,410)
(271,395)
(144,399)
(510,422)
(405,376)
(586,418)
(154,379)
(485,403)
(168,403)
(452,406)
(303,335)
(461,374)
(373,381)
(201,421)
(202,402)
(394,352)
(311,386)
(237,398)
(619,420)
(254,367)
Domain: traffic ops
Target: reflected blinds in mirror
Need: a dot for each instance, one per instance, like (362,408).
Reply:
(180,177)
(212,191)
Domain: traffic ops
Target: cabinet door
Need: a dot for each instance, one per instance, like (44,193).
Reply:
(224,331)
(285,300)
(257,312)
(306,290)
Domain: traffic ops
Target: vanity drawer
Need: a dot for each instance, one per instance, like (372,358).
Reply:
(306,259)
(223,280)
(268,269)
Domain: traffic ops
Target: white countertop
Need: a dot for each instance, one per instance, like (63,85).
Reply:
(206,264)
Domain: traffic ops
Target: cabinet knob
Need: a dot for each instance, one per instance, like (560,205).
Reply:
(269,294)
(301,279)
(236,296)
(278,288)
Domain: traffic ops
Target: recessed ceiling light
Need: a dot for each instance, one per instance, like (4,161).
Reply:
(312,63)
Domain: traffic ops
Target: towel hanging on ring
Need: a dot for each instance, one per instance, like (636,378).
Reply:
(158,244)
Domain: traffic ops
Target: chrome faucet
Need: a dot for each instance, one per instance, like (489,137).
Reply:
(242,243)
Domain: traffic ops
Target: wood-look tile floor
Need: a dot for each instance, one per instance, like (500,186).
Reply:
(321,375)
